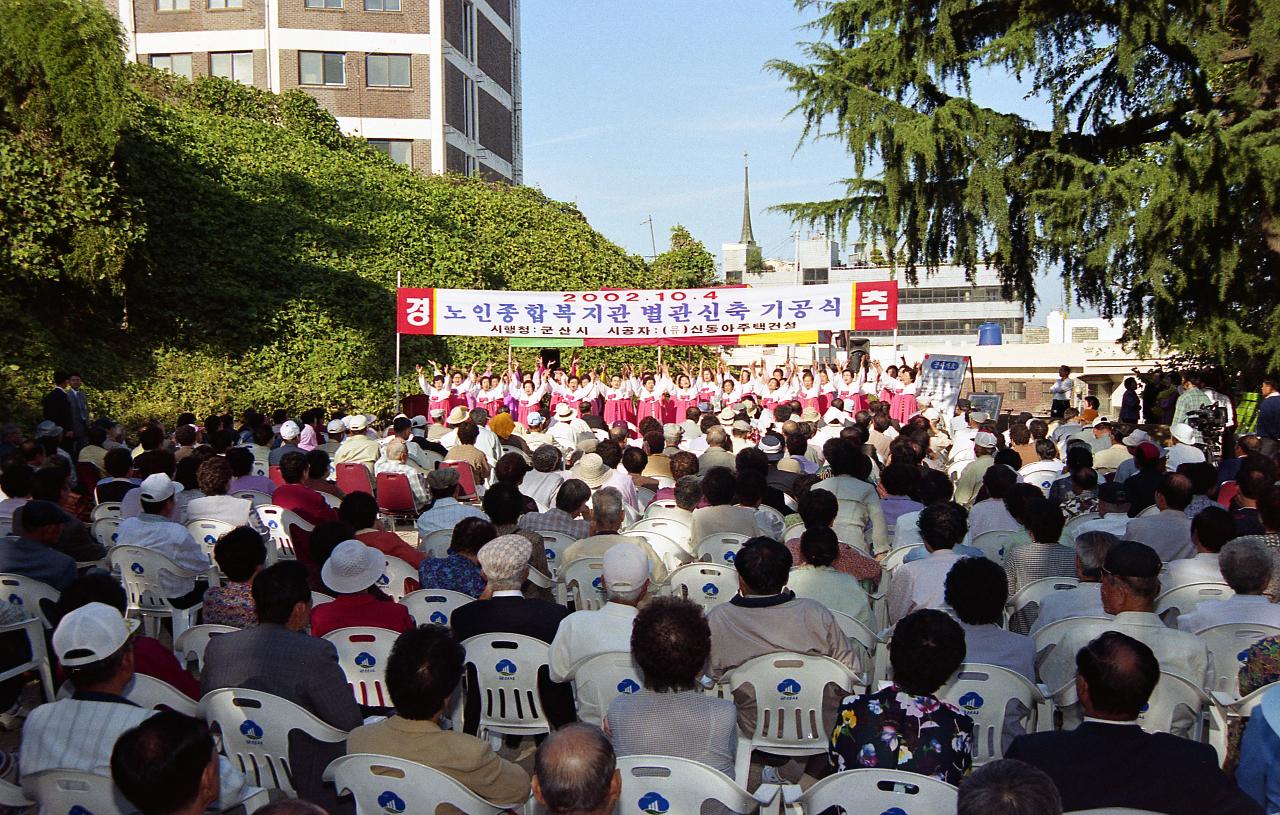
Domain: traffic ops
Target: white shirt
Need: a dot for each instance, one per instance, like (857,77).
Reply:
(1177,651)
(585,634)
(992,645)
(1085,600)
(1241,608)
(920,584)
(229,508)
(542,487)
(621,481)
(167,538)
(1115,523)
(1200,568)
(1182,454)
(991,515)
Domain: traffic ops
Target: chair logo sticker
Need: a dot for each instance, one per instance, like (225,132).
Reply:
(439,618)
(366,661)
(78,810)
(210,539)
(730,556)
(390,802)
(506,669)
(252,731)
(15,599)
(710,590)
(972,701)
(383,580)
(894,811)
(137,569)
(789,688)
(628,685)
(551,554)
(654,804)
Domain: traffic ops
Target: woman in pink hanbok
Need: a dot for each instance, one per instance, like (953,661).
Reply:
(617,400)
(904,406)
(437,392)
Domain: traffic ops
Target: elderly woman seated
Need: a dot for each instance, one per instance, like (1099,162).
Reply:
(816,578)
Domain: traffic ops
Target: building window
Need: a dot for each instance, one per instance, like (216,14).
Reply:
(400,150)
(173,5)
(225,4)
(179,64)
(987,386)
(324,4)
(381,5)
(1017,391)
(813,277)
(387,70)
(469,31)
(470,108)
(236,65)
(321,68)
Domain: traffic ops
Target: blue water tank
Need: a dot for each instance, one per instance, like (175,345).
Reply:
(990,334)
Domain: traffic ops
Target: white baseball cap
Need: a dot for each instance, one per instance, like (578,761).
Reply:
(626,567)
(1135,438)
(290,430)
(336,426)
(985,439)
(978,416)
(158,487)
(356,422)
(90,634)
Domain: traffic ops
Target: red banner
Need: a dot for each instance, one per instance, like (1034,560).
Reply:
(415,311)
(875,306)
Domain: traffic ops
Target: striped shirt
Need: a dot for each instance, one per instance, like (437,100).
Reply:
(1033,561)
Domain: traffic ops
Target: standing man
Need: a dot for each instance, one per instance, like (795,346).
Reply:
(57,408)
(1269,410)
(79,408)
(1061,392)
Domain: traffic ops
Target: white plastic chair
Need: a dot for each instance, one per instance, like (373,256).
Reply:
(662,503)
(676,530)
(658,784)
(721,548)
(707,584)
(30,595)
(105,530)
(11,795)
(1024,607)
(77,793)
(33,628)
(554,544)
(1227,645)
(886,791)
(1047,638)
(668,551)
(644,497)
(506,667)
(107,509)
(331,500)
(993,544)
(319,598)
(1069,529)
(864,640)
(1243,707)
(1042,474)
(207,532)
(434,606)
(279,522)
(984,693)
(258,499)
(394,576)
(898,555)
(1179,600)
(436,544)
(788,693)
(382,785)
(191,644)
(600,680)
(140,569)
(1179,707)
(155,694)
(254,728)
(583,581)
(363,654)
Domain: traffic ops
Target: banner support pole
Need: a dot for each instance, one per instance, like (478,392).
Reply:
(396,406)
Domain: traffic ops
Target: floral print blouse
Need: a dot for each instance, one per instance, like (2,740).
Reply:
(895,730)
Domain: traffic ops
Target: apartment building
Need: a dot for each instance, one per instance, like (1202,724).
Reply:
(433,83)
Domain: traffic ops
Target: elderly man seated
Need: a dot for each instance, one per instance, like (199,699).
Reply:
(1246,567)
(607,513)
(397,462)
(1168,531)
(1085,600)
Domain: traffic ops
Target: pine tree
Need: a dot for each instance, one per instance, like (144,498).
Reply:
(1155,191)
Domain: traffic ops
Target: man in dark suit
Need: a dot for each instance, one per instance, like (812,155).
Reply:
(56,407)
(502,609)
(1109,761)
(277,656)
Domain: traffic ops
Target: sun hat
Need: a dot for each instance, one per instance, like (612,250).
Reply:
(978,416)
(771,446)
(592,471)
(437,413)
(809,415)
(727,414)
(1183,432)
(564,411)
(418,421)
(458,415)
(48,429)
(985,439)
(788,465)
(352,567)
(534,418)
(442,479)
(1136,438)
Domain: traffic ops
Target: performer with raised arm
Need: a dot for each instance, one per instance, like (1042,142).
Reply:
(649,390)
(528,393)
(617,397)
(683,396)
(438,391)
(708,390)
(889,384)
(493,391)
(807,390)
(903,405)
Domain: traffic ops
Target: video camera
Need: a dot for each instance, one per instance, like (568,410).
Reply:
(1208,419)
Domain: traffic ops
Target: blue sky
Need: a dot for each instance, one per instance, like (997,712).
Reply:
(632,109)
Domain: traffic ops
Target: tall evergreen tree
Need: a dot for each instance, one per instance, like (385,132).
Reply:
(1155,190)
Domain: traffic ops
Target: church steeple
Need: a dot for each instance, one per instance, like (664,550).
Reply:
(747,236)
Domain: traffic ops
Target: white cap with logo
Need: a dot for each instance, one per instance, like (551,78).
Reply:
(90,634)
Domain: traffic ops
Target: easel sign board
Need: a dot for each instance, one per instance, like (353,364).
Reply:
(988,403)
(941,378)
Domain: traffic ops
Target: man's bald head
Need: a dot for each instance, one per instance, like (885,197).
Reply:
(1116,675)
(575,771)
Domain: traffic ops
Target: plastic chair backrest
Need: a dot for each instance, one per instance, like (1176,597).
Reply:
(863,638)
(273,472)
(707,584)
(107,509)
(668,551)
(11,795)
(354,477)
(466,480)
(319,598)
(676,530)
(1168,704)
(1227,646)
(437,543)
(661,503)
(583,580)
(362,654)
(77,793)
(382,785)
(993,544)
(1042,474)
(788,693)
(254,497)
(1047,638)
(1243,707)
(1024,606)
(279,523)
(155,694)
(644,496)
(723,548)
(395,496)
(140,569)
(553,546)
(886,791)
(654,784)
(31,595)
(33,629)
(1183,599)
(984,692)
(255,729)
(332,501)
(193,642)
(1068,537)
(105,530)
(434,606)
(395,576)
(898,555)
(506,668)
(601,679)
(207,532)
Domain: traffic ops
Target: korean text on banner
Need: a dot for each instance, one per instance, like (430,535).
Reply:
(941,379)
(638,314)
